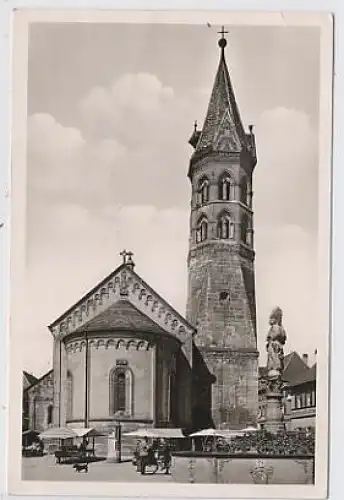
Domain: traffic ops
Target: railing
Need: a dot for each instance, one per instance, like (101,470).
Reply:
(242,468)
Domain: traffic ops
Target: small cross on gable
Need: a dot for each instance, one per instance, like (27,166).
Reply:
(127,257)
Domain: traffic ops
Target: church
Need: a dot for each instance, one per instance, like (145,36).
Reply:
(122,353)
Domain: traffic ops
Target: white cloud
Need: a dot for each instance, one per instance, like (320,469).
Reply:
(286,176)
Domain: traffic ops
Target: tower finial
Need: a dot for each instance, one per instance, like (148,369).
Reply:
(222,42)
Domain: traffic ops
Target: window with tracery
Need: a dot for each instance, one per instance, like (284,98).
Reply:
(202,230)
(121,390)
(225,227)
(225,187)
(203,191)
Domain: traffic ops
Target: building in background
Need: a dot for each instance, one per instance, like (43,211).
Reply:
(28,381)
(299,395)
(38,398)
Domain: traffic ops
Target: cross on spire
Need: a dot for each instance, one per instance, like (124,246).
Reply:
(127,257)
(222,42)
(223,32)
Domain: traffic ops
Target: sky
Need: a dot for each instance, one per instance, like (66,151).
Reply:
(110,110)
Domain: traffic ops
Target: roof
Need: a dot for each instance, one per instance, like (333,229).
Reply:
(38,380)
(296,371)
(222,129)
(29,379)
(307,377)
(124,300)
(122,315)
(294,367)
(104,281)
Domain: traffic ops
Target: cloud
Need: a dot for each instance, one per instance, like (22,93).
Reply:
(138,109)
(133,139)
(61,163)
(286,176)
(286,275)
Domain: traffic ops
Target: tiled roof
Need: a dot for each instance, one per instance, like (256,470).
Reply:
(38,380)
(29,379)
(309,376)
(295,370)
(223,118)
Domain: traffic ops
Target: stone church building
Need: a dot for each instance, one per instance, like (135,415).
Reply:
(123,353)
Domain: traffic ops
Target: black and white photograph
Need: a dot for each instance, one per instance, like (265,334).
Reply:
(171,177)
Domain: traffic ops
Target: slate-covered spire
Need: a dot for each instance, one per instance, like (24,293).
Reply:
(222,129)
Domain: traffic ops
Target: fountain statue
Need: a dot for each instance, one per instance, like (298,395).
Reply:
(275,342)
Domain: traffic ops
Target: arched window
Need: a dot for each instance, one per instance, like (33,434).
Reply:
(203,191)
(50,415)
(121,390)
(202,230)
(225,187)
(225,227)
(69,396)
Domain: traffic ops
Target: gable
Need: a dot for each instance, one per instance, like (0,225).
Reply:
(99,307)
(28,380)
(122,315)
(295,368)
(43,385)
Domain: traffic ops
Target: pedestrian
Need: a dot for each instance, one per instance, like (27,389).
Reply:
(137,456)
(166,457)
(143,455)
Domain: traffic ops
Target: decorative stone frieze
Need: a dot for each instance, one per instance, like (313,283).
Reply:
(124,282)
(106,343)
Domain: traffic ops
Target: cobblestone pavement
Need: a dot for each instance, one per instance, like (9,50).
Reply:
(45,469)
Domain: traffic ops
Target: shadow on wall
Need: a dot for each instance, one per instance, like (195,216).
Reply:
(201,392)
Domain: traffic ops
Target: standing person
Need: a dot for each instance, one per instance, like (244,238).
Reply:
(143,455)
(166,457)
(137,456)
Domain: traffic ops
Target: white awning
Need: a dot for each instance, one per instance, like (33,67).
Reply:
(82,431)
(58,433)
(157,433)
(225,433)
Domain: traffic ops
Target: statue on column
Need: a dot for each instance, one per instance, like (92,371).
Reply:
(275,341)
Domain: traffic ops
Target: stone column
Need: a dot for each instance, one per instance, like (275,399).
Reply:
(154,385)
(60,378)
(274,421)
(57,382)
(63,404)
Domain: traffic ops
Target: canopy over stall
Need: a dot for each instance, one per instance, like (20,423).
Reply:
(164,433)
(87,432)
(208,433)
(58,433)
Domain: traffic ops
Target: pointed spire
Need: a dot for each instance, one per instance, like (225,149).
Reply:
(222,129)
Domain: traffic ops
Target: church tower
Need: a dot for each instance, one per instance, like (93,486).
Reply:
(221,282)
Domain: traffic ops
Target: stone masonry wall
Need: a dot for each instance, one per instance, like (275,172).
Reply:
(40,399)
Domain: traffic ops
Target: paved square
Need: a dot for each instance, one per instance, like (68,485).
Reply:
(45,469)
